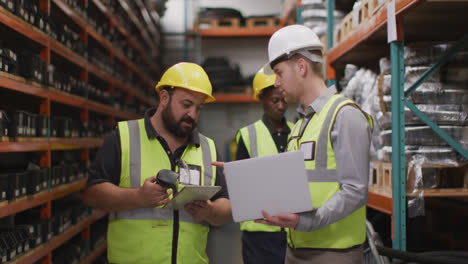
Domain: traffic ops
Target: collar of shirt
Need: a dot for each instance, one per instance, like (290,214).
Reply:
(317,105)
(284,129)
(151,132)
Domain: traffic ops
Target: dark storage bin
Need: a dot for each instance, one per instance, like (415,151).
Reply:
(53,127)
(64,126)
(34,183)
(57,174)
(41,126)
(20,124)
(9,5)
(4,187)
(66,173)
(22,182)
(4,122)
(44,173)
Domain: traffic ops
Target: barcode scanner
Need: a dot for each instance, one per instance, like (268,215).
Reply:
(168,179)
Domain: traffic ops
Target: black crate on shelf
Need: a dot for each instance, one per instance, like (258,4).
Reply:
(64,126)
(44,174)
(53,127)
(57,224)
(34,182)
(10,185)
(42,21)
(10,5)
(31,66)
(19,124)
(10,244)
(22,182)
(4,123)
(4,187)
(3,249)
(57,174)
(41,126)
(66,173)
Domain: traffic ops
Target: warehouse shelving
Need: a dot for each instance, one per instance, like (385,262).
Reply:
(420,19)
(233,32)
(133,42)
(104,42)
(45,249)
(41,38)
(19,84)
(21,204)
(238,32)
(234,98)
(50,102)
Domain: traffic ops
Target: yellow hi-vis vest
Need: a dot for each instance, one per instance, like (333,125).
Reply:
(258,142)
(323,182)
(145,235)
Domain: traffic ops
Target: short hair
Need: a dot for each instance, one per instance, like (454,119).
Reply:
(317,67)
(265,91)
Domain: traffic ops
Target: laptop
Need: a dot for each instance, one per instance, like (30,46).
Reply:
(276,184)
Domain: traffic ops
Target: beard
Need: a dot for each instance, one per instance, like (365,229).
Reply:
(174,126)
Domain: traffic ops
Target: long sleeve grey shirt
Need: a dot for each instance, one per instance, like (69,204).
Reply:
(350,138)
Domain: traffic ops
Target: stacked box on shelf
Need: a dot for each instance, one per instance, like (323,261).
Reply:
(314,16)
(72,252)
(8,60)
(443,98)
(39,230)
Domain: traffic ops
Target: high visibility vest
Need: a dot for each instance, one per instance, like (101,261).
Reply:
(258,142)
(145,235)
(323,182)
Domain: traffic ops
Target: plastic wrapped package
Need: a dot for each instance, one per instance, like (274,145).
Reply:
(424,174)
(425,136)
(385,65)
(349,72)
(434,155)
(312,4)
(416,203)
(412,74)
(434,93)
(440,114)
(423,54)
(452,74)
(360,85)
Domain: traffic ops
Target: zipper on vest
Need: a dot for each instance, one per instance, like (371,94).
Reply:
(175,237)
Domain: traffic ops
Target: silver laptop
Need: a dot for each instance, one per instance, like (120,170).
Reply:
(276,184)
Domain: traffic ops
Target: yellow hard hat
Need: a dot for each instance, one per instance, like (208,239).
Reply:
(262,81)
(189,76)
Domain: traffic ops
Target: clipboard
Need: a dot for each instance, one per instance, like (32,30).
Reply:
(191,193)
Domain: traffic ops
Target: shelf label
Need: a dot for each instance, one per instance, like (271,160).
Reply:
(391,22)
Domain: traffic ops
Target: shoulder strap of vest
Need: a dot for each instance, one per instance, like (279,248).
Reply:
(322,141)
(134,152)
(208,157)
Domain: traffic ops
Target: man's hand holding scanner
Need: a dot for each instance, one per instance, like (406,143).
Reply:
(152,194)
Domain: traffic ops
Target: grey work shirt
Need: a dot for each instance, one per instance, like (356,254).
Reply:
(350,138)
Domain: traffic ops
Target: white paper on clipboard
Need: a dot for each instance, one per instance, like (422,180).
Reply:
(192,193)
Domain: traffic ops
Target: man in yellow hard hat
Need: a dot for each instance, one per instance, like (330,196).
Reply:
(267,136)
(122,178)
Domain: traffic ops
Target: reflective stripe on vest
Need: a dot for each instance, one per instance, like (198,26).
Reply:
(323,181)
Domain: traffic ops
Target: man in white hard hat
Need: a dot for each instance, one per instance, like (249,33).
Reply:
(335,136)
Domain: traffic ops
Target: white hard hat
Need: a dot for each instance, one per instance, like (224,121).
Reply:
(290,40)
